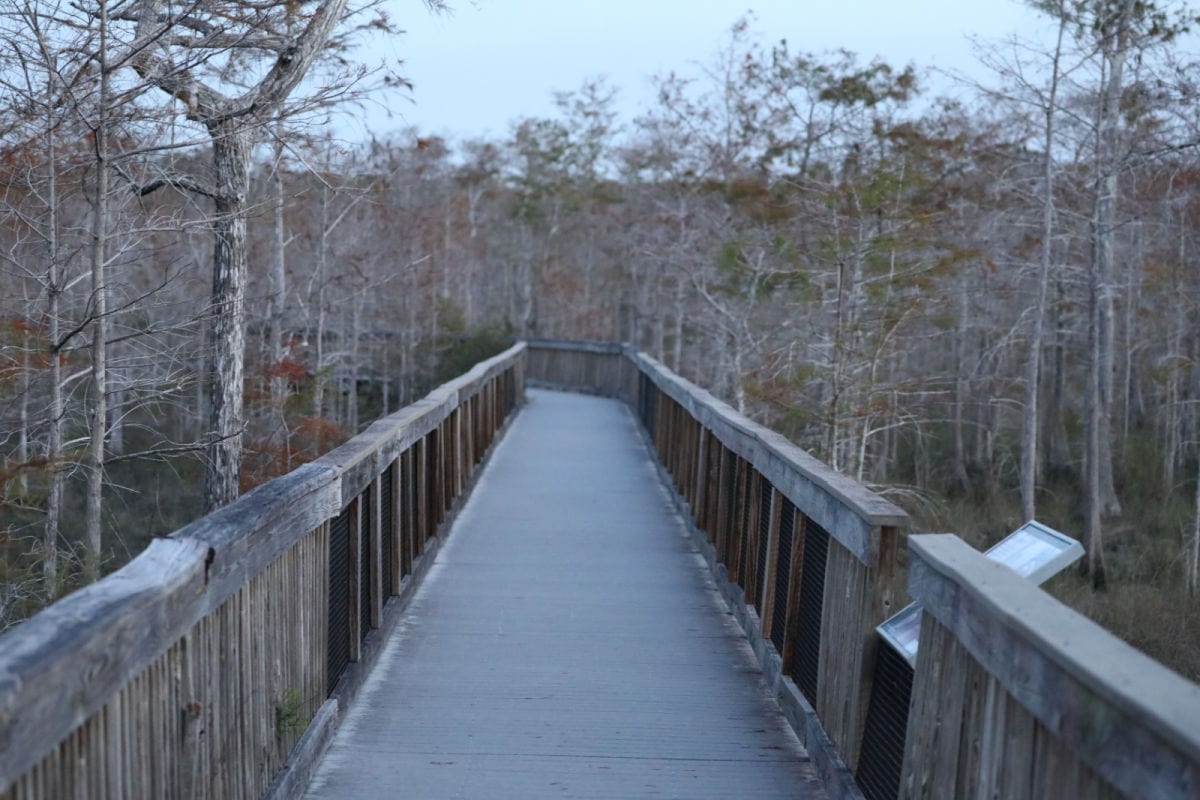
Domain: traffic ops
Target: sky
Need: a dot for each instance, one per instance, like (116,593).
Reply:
(489,62)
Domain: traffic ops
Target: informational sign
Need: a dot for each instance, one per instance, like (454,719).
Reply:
(1036,552)
(1033,551)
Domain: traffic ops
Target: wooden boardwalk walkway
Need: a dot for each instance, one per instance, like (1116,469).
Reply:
(567,643)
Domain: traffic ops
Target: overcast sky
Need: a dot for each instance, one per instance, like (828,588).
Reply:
(490,62)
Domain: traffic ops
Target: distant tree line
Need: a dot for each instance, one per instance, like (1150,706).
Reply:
(983,306)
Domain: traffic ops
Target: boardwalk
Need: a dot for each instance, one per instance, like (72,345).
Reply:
(566,644)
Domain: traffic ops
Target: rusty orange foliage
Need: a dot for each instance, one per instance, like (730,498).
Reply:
(292,371)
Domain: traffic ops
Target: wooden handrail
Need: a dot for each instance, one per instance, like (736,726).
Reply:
(1107,708)
(102,667)
(1013,694)
(852,513)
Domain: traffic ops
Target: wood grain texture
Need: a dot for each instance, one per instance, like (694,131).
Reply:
(61,667)
(190,671)
(967,737)
(848,510)
(600,368)
(368,454)
(935,722)
(857,599)
(1124,715)
(250,533)
(201,718)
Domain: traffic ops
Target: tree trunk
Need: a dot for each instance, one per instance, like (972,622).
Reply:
(1102,252)
(276,350)
(1033,366)
(1056,451)
(227,339)
(1172,421)
(386,383)
(318,403)
(961,391)
(23,433)
(99,413)
(1101,497)
(352,387)
(54,442)
(1193,556)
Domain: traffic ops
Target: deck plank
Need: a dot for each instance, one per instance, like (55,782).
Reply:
(566,643)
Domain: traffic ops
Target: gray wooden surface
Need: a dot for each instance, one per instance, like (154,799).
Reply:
(567,643)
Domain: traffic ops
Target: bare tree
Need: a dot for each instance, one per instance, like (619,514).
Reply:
(175,49)
(1033,368)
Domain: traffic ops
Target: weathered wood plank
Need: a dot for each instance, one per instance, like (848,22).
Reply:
(849,613)
(60,667)
(368,454)
(848,510)
(1132,720)
(249,534)
(601,348)
(935,720)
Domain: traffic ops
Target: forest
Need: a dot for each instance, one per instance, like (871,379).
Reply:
(981,305)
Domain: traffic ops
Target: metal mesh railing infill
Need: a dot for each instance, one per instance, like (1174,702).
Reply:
(807,647)
(387,497)
(882,758)
(339,598)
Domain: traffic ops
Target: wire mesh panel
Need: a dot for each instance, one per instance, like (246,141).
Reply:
(388,531)
(807,646)
(764,539)
(366,559)
(431,504)
(647,403)
(339,598)
(783,575)
(712,493)
(449,460)
(407,512)
(721,519)
(729,489)
(882,756)
(699,475)
(478,436)
(687,474)
(508,394)
(742,567)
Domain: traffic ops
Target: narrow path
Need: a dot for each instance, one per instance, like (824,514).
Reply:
(567,643)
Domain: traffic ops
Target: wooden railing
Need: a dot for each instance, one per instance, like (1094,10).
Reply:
(220,653)
(1017,696)
(601,368)
(214,663)
(808,557)
(1013,694)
